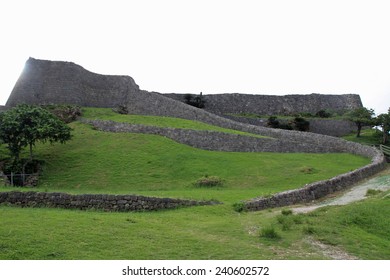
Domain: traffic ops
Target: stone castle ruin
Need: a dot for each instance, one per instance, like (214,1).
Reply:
(55,82)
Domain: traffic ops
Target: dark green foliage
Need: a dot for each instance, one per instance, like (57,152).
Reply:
(270,233)
(371,192)
(273,122)
(323,114)
(194,100)
(298,123)
(301,124)
(383,120)
(361,117)
(287,212)
(24,125)
(239,207)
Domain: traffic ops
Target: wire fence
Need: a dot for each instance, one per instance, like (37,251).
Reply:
(20,179)
(385,150)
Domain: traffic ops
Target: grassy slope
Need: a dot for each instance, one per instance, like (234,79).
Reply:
(101,162)
(121,163)
(109,114)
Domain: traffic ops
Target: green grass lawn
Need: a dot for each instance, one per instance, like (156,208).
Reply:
(101,162)
(367,137)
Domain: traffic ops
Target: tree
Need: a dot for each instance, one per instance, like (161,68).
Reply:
(383,120)
(361,117)
(301,124)
(24,125)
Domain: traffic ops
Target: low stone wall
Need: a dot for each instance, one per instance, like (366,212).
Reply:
(120,203)
(313,191)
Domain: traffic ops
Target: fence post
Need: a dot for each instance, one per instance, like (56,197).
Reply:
(12,179)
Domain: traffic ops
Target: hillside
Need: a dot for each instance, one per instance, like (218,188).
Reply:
(96,161)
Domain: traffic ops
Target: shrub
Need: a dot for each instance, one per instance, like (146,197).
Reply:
(285,221)
(309,230)
(371,192)
(122,109)
(270,233)
(287,212)
(301,124)
(324,114)
(239,207)
(209,181)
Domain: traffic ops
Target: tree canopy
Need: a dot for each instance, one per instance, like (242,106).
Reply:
(383,120)
(24,125)
(361,117)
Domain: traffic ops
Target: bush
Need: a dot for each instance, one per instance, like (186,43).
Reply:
(287,212)
(194,100)
(209,181)
(122,109)
(239,207)
(301,124)
(270,233)
(324,114)
(285,221)
(371,192)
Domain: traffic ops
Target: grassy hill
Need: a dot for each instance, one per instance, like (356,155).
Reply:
(101,162)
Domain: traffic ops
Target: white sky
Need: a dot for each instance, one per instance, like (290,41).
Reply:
(257,47)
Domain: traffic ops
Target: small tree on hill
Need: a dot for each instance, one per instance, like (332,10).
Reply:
(25,125)
(361,117)
(383,120)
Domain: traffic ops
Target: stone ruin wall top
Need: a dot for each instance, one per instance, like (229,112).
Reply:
(57,82)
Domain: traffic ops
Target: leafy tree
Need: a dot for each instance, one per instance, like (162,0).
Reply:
(24,125)
(301,124)
(361,117)
(273,122)
(194,100)
(383,120)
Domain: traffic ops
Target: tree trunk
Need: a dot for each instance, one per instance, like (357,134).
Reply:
(31,153)
(359,126)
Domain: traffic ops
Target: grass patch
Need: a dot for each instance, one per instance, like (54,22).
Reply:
(371,192)
(270,232)
(209,181)
(367,137)
(171,122)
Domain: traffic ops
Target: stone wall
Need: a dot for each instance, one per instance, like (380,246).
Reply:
(236,103)
(313,191)
(120,203)
(58,82)
(329,127)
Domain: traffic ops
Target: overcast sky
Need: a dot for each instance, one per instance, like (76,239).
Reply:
(258,47)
